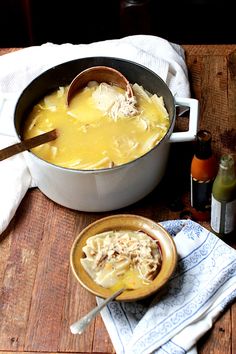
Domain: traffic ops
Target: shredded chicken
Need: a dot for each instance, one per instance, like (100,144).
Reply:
(110,254)
(109,100)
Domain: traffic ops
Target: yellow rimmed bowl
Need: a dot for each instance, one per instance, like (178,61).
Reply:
(125,222)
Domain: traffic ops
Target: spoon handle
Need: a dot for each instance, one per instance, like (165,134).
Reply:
(28,144)
(79,326)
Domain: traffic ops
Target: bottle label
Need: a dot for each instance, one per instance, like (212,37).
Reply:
(201,194)
(223,216)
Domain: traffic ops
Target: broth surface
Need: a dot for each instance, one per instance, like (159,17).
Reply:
(91,136)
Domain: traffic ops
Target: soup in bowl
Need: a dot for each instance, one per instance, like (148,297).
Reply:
(123,251)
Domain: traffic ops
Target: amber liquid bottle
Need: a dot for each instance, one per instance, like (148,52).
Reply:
(203,173)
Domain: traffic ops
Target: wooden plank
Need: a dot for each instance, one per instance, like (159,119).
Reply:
(209,78)
(20,268)
(4,51)
(24,352)
(214,102)
(5,249)
(194,64)
(48,295)
(99,346)
(233,324)
(209,50)
(78,303)
(228,138)
(218,339)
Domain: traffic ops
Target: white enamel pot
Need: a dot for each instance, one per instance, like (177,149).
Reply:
(113,188)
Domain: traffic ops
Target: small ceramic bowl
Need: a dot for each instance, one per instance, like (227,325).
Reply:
(125,222)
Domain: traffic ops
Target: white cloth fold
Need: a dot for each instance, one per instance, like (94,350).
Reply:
(18,69)
(15,180)
(173,320)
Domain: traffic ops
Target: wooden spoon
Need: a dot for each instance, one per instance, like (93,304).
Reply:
(28,144)
(99,74)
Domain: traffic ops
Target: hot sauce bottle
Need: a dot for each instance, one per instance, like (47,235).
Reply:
(203,173)
(223,207)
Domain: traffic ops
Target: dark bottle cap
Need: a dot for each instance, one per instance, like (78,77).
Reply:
(203,145)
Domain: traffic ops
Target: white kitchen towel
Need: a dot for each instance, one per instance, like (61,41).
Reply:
(172,321)
(18,69)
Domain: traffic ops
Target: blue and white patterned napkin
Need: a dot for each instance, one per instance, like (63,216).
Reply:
(172,321)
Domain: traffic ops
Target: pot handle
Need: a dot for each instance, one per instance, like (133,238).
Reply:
(189,135)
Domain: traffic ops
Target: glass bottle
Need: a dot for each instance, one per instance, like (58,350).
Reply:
(135,17)
(223,205)
(203,173)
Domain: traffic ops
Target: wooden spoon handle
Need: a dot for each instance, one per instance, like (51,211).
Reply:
(28,144)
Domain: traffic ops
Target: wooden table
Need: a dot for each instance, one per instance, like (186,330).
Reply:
(40,297)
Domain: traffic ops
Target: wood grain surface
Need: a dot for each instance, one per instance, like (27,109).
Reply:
(40,297)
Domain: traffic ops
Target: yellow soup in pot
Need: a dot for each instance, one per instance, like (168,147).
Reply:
(101,128)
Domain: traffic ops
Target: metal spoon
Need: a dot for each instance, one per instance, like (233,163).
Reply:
(79,326)
(28,144)
(99,74)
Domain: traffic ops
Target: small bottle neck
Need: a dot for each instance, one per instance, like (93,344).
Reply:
(226,168)
(203,145)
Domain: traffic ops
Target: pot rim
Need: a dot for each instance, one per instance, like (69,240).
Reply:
(102,170)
